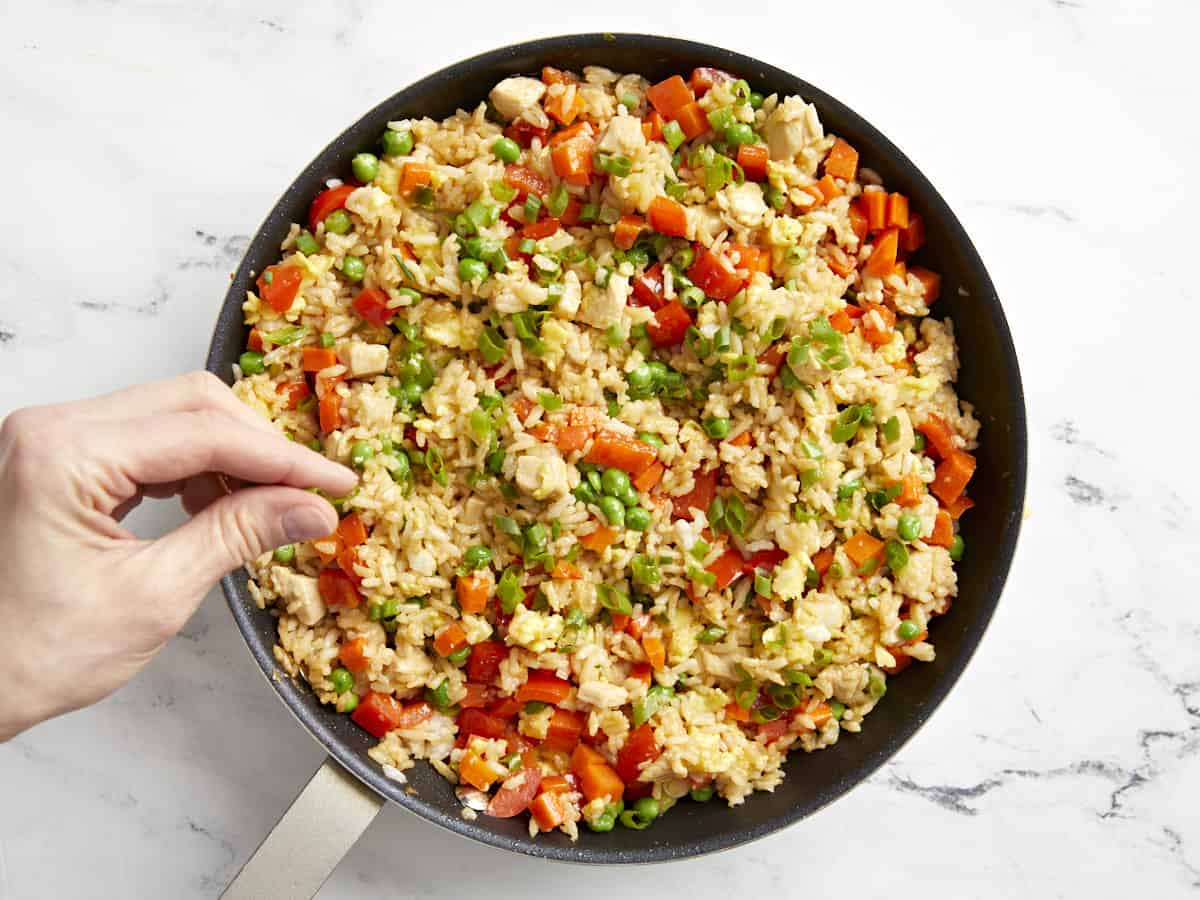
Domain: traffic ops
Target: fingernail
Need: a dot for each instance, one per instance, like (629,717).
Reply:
(303,523)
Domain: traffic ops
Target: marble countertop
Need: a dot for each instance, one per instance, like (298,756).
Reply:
(1063,132)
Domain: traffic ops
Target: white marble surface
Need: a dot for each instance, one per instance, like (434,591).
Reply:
(145,141)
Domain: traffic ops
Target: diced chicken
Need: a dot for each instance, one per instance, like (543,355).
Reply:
(363,360)
(513,96)
(302,597)
(542,473)
(843,682)
(572,294)
(602,694)
(623,135)
(745,203)
(375,409)
(791,126)
(602,308)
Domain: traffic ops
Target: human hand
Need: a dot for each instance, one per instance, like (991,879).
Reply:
(84,604)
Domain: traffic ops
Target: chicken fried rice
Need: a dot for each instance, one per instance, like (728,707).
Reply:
(660,454)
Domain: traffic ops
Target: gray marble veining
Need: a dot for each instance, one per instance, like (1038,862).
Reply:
(147,141)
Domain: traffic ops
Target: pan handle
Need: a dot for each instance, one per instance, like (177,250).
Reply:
(309,840)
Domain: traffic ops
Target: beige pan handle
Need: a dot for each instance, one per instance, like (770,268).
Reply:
(310,839)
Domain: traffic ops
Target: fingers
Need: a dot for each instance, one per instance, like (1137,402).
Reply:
(200,492)
(183,393)
(234,530)
(179,445)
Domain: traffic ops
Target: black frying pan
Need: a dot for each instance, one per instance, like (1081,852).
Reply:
(989,379)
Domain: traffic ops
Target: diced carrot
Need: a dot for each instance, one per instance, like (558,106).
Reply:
(473,591)
(599,540)
(522,406)
(862,547)
(352,656)
(294,391)
(820,714)
(314,359)
(619,450)
(637,626)
(562,110)
(330,412)
(656,651)
(736,713)
(883,255)
(547,810)
(938,433)
(351,530)
(704,488)
(753,160)
(450,639)
(839,261)
(544,686)
(563,731)
(556,784)
(842,161)
(650,477)
(858,218)
(752,259)
(914,235)
(897,211)
(327,547)
(478,772)
(959,506)
(596,777)
(667,217)
(565,570)
(415,175)
(578,130)
(952,475)
(347,557)
(652,126)
(254,341)
(742,439)
(692,120)
(626,231)
(841,321)
(543,431)
(829,188)
(910,490)
(551,75)
(569,438)
(822,560)
(670,96)
(814,191)
(899,270)
(930,281)
(572,161)
(875,204)
(943,530)
(878,324)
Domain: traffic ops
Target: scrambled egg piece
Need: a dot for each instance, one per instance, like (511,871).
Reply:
(536,632)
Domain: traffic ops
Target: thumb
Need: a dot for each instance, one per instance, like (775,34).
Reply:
(240,527)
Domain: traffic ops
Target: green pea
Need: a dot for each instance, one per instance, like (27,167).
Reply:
(440,695)
(307,244)
(908,630)
(585,493)
(838,709)
(353,268)
(603,822)
(756,100)
(876,687)
(348,702)
(614,482)
(506,150)
(643,813)
(613,510)
(896,554)
(739,133)
(251,363)
(701,794)
(459,656)
(957,548)
(918,442)
(652,439)
(472,270)
(716,427)
(342,680)
(326,339)
(637,519)
(366,167)
(909,527)
(641,379)
(477,557)
(285,554)
(397,143)
(360,453)
(338,222)
(712,634)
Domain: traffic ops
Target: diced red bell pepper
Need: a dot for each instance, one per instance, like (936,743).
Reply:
(526,181)
(477,722)
(563,731)
(515,794)
(338,589)
(372,305)
(704,78)
(704,488)
(544,686)
(378,713)
(326,202)
(648,288)
(639,749)
(483,665)
(715,276)
(278,286)
(669,325)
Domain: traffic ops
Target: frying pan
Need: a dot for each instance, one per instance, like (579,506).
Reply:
(350,787)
